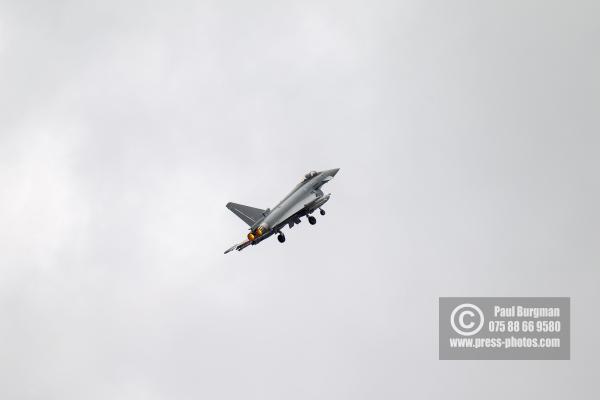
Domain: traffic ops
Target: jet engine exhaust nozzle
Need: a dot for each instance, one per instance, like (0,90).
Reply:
(263,228)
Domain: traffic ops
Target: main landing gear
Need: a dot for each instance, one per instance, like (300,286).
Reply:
(312,220)
(281,237)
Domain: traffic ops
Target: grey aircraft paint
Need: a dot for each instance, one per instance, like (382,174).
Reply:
(302,201)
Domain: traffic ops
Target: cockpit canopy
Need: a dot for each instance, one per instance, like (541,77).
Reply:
(311,174)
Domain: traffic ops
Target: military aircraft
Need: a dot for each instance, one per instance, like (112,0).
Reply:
(302,201)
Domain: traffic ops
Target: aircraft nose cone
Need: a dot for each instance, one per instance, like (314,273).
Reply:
(332,172)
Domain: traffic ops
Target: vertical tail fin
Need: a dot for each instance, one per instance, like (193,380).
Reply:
(246,213)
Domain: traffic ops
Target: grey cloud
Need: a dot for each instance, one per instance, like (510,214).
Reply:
(126,127)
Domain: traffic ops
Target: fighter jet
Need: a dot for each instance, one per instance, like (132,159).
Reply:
(302,201)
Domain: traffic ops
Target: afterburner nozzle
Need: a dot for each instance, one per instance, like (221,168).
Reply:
(262,229)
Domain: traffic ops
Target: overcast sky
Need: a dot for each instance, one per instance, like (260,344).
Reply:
(467,134)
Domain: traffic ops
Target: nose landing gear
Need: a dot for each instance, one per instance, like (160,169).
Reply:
(321,211)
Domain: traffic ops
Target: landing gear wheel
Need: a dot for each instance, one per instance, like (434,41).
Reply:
(312,220)
(281,238)
(322,212)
